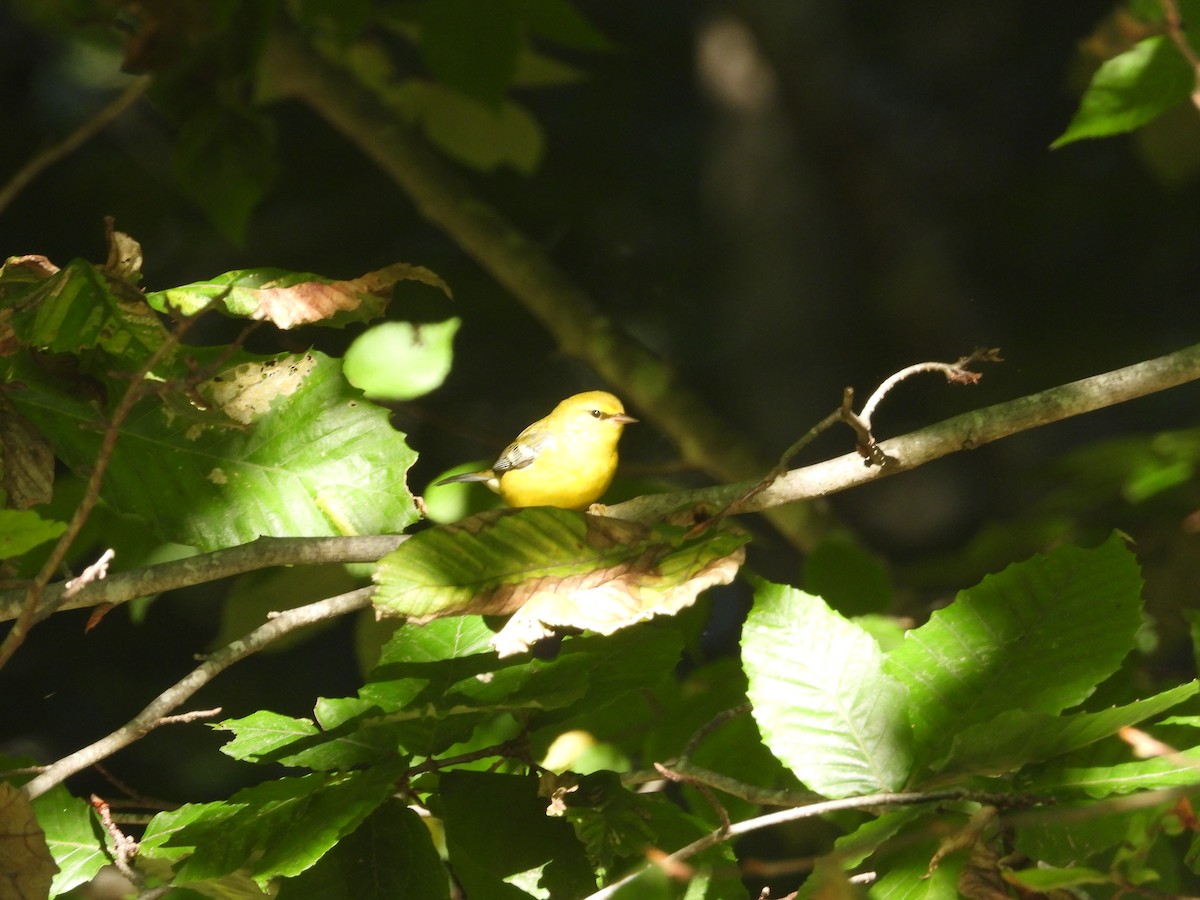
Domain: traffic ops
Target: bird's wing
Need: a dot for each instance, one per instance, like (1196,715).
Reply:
(524,450)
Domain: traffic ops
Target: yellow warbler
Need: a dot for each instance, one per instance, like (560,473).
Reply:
(566,459)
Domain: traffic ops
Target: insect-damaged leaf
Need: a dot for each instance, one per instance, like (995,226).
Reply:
(552,567)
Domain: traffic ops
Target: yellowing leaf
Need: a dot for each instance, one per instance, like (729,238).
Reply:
(552,567)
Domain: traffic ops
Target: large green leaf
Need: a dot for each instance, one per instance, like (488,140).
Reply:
(1038,636)
(552,567)
(423,705)
(821,698)
(299,453)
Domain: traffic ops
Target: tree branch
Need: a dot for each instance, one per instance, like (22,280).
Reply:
(158,712)
(965,432)
(263,553)
(72,142)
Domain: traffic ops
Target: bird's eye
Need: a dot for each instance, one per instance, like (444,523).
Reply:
(596,414)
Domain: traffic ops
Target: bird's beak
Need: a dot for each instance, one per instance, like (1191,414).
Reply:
(623,418)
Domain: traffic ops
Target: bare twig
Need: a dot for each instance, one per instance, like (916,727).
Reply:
(159,710)
(696,784)
(81,135)
(712,725)
(125,848)
(804,812)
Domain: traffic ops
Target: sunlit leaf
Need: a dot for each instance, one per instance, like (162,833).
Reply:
(552,567)
(287,299)
(821,698)
(1017,737)
(310,456)
(23,529)
(73,836)
(401,361)
(1038,636)
(1131,89)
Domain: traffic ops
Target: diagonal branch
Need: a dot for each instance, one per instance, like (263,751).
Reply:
(158,712)
(965,432)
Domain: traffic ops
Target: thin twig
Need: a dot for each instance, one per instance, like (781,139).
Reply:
(803,812)
(125,848)
(712,725)
(161,707)
(81,135)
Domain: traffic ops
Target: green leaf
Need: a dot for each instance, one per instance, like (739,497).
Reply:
(278,828)
(224,159)
(287,299)
(1155,774)
(1129,90)
(1038,636)
(401,361)
(562,23)
(1017,737)
(23,529)
(83,310)
(1042,879)
(261,734)
(552,567)
(847,577)
(821,698)
(309,456)
(480,136)
(471,46)
(73,837)
(496,827)
(390,855)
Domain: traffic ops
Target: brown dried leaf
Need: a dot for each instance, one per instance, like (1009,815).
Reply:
(314,301)
(26,460)
(26,866)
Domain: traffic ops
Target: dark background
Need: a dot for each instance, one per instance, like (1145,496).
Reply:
(782,197)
